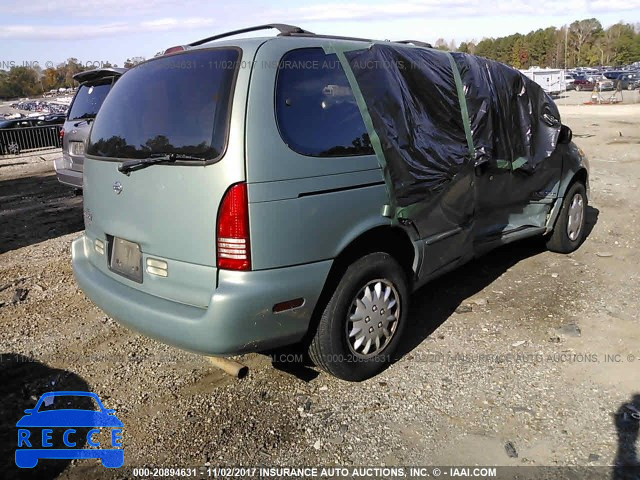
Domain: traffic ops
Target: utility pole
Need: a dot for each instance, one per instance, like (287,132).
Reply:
(566,36)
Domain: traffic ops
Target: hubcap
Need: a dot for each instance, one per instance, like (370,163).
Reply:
(576,212)
(373,318)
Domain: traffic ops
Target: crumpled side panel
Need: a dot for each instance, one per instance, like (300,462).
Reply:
(514,122)
(412,99)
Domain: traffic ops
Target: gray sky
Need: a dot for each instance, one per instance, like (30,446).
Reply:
(48,32)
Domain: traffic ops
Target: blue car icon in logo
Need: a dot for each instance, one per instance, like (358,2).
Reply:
(36,429)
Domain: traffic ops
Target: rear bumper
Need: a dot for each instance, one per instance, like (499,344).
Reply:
(69,177)
(239,318)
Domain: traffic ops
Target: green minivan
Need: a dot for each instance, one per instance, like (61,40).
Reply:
(244,194)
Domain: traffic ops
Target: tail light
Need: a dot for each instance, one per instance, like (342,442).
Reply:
(61,134)
(233,251)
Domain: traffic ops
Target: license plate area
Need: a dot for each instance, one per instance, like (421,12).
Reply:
(126,259)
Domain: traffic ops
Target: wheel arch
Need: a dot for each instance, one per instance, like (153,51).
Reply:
(580,174)
(395,241)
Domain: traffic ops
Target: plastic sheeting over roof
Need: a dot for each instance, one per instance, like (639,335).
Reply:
(436,112)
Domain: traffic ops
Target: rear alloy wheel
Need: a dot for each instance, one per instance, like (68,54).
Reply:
(569,231)
(362,323)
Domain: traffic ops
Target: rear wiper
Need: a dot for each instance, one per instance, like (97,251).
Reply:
(84,120)
(133,165)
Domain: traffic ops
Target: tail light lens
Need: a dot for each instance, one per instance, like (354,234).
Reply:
(233,252)
(61,133)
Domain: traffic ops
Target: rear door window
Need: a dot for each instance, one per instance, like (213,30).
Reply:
(88,100)
(316,111)
(173,104)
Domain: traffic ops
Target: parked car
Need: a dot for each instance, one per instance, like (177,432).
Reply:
(20,134)
(582,83)
(612,74)
(604,84)
(247,194)
(629,81)
(569,82)
(94,87)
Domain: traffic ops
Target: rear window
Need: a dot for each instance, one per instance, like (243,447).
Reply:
(88,100)
(175,104)
(316,111)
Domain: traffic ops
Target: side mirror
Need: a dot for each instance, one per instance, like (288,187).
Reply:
(565,135)
(29,411)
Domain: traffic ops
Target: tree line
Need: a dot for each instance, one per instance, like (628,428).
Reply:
(583,43)
(27,81)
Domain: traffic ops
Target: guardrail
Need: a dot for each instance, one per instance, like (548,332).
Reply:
(14,141)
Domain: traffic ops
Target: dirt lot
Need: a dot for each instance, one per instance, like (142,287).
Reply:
(523,357)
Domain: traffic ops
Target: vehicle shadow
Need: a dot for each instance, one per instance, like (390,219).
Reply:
(627,421)
(36,208)
(435,302)
(23,381)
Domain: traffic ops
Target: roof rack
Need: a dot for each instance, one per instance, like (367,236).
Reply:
(283,28)
(293,31)
(417,43)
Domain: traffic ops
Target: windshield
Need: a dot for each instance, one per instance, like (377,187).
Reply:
(175,104)
(64,402)
(88,101)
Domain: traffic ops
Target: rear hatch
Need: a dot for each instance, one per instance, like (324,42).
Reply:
(169,119)
(95,85)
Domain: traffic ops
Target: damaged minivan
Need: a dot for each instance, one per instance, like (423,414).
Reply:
(245,194)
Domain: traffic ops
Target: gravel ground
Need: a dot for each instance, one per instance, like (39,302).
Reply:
(505,361)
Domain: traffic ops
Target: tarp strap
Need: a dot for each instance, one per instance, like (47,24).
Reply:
(518,162)
(368,122)
(463,106)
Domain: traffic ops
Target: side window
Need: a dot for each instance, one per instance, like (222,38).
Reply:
(316,111)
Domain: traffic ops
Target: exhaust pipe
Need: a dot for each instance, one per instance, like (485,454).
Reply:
(233,368)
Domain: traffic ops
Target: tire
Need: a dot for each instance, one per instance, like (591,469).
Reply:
(569,230)
(349,358)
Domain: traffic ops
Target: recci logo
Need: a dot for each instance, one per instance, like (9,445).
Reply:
(73,427)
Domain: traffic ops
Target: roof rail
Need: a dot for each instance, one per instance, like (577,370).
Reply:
(283,28)
(417,43)
(331,37)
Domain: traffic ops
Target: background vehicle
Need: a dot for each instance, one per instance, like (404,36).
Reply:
(95,85)
(551,80)
(582,83)
(240,208)
(569,82)
(29,133)
(629,80)
(604,84)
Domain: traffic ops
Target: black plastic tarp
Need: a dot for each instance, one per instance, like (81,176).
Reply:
(513,120)
(413,103)
(413,100)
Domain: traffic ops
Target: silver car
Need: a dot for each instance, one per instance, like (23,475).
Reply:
(94,87)
(245,194)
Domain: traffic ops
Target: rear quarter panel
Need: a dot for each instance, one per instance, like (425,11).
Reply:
(302,209)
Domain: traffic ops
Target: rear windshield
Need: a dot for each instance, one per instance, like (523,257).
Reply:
(88,100)
(174,104)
